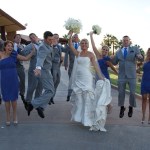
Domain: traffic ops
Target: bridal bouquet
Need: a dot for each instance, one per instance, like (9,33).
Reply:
(96,29)
(73,25)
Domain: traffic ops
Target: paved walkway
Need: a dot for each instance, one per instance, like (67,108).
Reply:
(57,132)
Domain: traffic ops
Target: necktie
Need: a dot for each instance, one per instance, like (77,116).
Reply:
(125,52)
(76,46)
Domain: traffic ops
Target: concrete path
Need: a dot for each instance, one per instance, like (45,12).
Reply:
(57,132)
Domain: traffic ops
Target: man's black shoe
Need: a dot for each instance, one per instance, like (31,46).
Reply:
(49,102)
(122,109)
(29,108)
(22,97)
(40,112)
(68,98)
(130,111)
(52,101)
(25,105)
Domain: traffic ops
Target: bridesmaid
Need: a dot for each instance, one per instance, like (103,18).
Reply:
(145,86)
(9,79)
(104,62)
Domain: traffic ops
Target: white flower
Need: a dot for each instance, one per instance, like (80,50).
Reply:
(96,29)
(73,25)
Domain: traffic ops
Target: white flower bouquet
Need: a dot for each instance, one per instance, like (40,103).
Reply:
(96,29)
(73,25)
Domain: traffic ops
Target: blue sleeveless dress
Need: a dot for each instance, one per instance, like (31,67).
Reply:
(104,67)
(9,78)
(145,84)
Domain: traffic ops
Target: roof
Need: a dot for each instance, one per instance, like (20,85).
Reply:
(10,23)
(25,37)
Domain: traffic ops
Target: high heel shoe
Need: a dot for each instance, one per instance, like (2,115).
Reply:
(142,121)
(7,123)
(148,121)
(15,123)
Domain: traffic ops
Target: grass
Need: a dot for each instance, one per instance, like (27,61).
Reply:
(114,80)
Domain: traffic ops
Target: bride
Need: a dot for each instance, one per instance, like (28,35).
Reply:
(83,95)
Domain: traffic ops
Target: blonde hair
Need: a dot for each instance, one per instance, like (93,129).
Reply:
(105,46)
(86,41)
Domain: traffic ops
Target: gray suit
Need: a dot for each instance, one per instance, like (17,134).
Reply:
(34,83)
(127,74)
(20,70)
(56,62)
(71,56)
(44,60)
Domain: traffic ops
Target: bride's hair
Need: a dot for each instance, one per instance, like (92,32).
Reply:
(86,41)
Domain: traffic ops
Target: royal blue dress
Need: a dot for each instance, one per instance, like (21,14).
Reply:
(145,84)
(104,67)
(9,78)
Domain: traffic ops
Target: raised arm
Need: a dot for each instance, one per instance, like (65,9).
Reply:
(97,53)
(71,45)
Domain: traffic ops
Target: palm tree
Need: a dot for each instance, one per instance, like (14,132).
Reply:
(107,40)
(110,40)
(139,63)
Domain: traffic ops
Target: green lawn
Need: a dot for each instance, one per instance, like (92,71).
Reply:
(114,79)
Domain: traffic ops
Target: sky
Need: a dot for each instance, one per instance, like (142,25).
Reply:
(116,17)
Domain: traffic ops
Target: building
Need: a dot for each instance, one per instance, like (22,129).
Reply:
(9,26)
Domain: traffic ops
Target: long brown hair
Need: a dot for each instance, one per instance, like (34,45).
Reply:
(7,42)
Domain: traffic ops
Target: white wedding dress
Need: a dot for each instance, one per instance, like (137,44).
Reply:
(89,105)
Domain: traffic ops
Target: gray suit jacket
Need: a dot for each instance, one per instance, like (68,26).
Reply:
(27,50)
(44,56)
(127,67)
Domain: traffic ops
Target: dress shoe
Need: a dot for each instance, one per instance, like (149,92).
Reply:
(142,121)
(122,109)
(22,97)
(49,102)
(25,105)
(68,98)
(130,111)
(40,112)
(8,123)
(29,108)
(15,123)
(52,101)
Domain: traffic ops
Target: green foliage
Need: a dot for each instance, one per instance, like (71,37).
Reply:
(114,81)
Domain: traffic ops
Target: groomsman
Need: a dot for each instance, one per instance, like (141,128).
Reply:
(56,63)
(34,82)
(43,69)
(71,56)
(20,68)
(126,58)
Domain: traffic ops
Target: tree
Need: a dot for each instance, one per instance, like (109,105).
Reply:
(139,63)
(110,40)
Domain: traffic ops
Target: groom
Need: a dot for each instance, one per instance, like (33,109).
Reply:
(43,69)
(126,58)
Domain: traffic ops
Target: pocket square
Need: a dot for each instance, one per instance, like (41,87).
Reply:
(131,51)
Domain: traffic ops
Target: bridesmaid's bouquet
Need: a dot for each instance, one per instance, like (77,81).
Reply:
(74,25)
(96,29)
